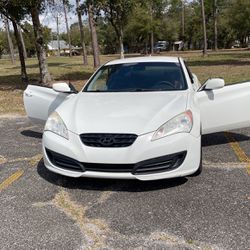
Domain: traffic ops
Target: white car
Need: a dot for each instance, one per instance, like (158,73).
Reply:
(136,118)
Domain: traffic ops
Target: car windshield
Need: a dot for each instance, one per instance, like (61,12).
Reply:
(133,77)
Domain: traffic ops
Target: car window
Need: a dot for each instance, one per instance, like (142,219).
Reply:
(152,76)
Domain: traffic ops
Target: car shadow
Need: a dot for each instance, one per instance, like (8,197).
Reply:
(220,138)
(107,184)
(32,134)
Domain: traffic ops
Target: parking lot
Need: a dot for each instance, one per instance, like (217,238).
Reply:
(42,210)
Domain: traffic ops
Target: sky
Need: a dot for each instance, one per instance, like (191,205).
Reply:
(47,19)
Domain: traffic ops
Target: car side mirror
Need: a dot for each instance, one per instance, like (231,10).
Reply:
(63,87)
(213,83)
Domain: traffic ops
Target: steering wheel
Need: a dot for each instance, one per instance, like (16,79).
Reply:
(167,83)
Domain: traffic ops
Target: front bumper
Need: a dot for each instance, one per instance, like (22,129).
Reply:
(142,150)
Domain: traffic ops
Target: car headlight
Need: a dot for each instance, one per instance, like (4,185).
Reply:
(56,125)
(181,123)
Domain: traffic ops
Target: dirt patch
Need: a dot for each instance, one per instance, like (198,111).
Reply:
(2,160)
(94,230)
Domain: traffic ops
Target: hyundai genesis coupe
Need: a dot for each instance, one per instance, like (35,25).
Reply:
(136,118)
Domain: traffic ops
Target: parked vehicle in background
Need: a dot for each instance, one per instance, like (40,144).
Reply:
(161,46)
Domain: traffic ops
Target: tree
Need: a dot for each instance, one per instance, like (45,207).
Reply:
(138,29)
(155,10)
(2,43)
(82,36)
(15,12)
(240,23)
(65,9)
(182,19)
(29,37)
(118,12)
(92,26)
(24,75)
(22,41)
(204,28)
(215,9)
(35,8)
(10,43)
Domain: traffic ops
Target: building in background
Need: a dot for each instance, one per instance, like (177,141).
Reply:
(52,48)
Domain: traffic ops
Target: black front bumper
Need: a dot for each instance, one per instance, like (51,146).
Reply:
(150,166)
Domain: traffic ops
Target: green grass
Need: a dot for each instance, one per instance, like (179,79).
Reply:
(61,68)
(232,65)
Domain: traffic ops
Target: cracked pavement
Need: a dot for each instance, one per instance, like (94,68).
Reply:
(42,210)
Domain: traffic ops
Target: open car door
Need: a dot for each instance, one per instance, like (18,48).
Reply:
(224,108)
(40,102)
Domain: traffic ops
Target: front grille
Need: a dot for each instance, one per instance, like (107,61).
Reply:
(108,140)
(154,165)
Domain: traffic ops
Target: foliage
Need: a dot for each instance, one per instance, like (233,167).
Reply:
(75,35)
(2,47)
(29,37)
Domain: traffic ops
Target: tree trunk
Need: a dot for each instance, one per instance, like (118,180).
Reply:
(57,35)
(204,28)
(67,27)
(146,46)
(95,45)
(121,44)
(41,53)
(152,42)
(152,31)
(22,41)
(11,48)
(24,75)
(215,26)
(84,52)
(182,20)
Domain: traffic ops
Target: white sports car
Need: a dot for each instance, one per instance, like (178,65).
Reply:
(136,118)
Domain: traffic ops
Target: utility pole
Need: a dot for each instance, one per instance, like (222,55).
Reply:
(204,28)
(10,43)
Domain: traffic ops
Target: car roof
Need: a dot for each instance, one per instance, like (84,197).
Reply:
(144,59)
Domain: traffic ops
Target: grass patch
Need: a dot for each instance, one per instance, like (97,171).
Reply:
(11,101)
(232,65)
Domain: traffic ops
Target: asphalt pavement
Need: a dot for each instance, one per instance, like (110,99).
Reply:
(42,210)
